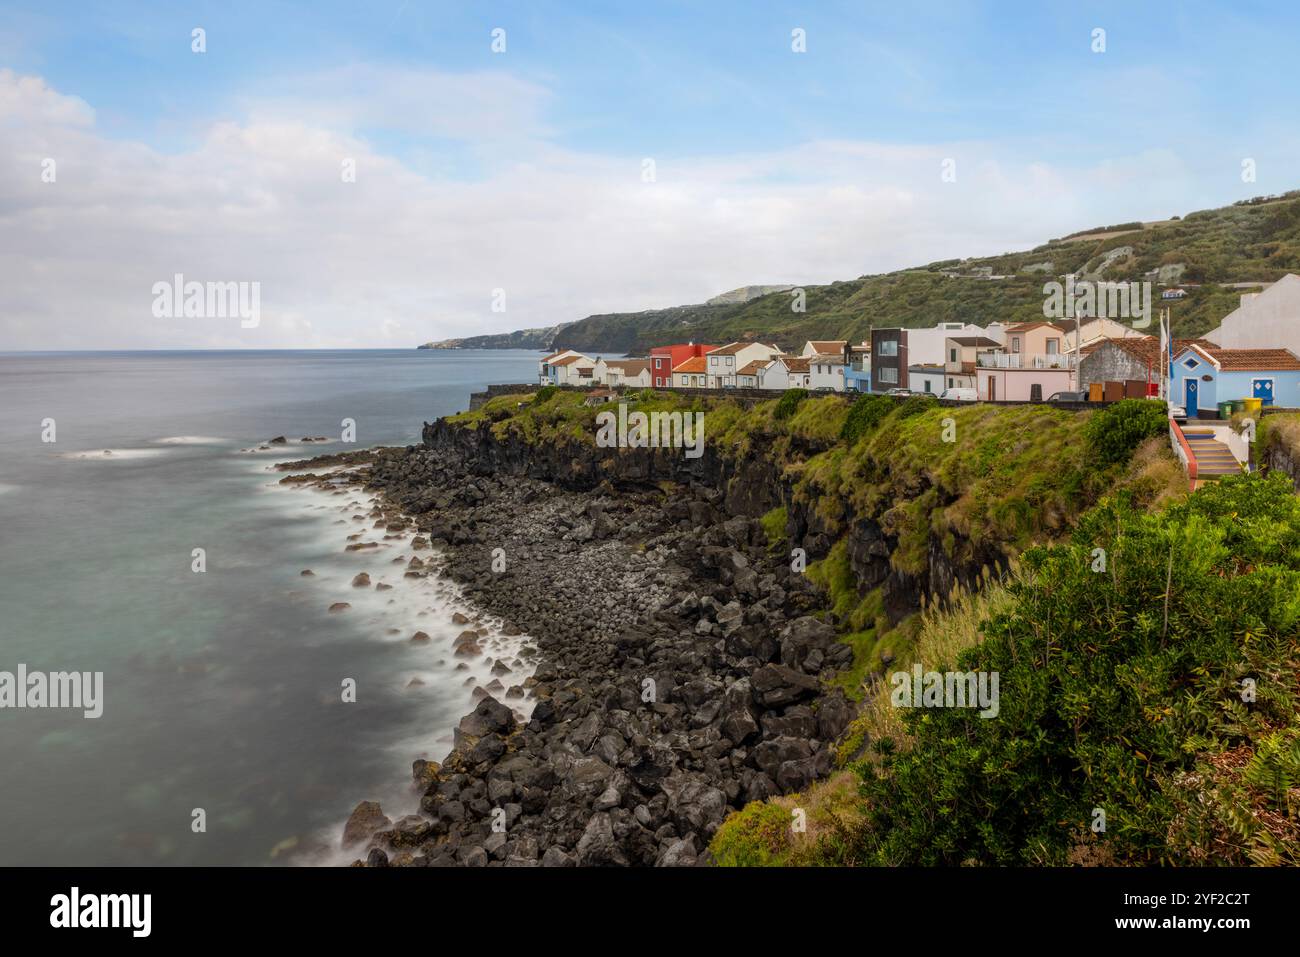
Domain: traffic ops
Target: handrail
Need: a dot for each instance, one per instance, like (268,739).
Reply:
(1181,445)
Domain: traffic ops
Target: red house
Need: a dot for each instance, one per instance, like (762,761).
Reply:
(663,359)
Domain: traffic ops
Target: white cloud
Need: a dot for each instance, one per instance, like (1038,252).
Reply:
(399,257)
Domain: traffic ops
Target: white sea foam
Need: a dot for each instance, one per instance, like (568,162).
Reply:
(190,440)
(113,455)
(391,617)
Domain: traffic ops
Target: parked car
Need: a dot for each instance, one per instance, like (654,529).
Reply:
(1068,397)
(961,395)
(899,392)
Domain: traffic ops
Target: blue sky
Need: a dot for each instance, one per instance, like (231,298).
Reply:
(755,145)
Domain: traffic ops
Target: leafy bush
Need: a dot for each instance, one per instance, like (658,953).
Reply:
(915,405)
(545,393)
(864,416)
(1113,433)
(1120,690)
(789,401)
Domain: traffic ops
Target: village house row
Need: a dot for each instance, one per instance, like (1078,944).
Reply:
(1253,354)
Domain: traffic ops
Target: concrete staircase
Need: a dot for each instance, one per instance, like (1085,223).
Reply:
(1213,458)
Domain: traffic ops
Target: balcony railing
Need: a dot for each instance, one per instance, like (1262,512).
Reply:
(1024,360)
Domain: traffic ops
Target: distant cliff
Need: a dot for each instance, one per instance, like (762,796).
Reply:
(520,339)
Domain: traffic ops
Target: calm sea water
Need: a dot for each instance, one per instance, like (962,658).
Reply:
(222,689)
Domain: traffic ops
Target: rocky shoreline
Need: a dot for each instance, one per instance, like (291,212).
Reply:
(682,672)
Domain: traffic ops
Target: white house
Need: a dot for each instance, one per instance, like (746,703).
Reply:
(633,373)
(784,372)
(546,367)
(826,371)
(1264,320)
(927,346)
(576,369)
(824,347)
(751,375)
(724,363)
(690,374)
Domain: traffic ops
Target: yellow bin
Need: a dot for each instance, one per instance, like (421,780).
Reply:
(1252,406)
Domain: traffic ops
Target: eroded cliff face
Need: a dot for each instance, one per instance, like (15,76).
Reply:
(751,484)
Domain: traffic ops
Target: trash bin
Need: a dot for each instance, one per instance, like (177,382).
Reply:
(1225,409)
(1252,406)
(1238,405)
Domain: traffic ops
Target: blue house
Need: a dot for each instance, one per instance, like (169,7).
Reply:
(1201,377)
(857,374)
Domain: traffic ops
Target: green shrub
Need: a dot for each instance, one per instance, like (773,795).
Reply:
(1120,689)
(1113,433)
(864,416)
(915,405)
(789,401)
(545,394)
(757,836)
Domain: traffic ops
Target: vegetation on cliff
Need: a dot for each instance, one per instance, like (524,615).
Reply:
(1211,248)
(1146,639)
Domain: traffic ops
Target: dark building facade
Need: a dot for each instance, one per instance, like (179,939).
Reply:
(888,359)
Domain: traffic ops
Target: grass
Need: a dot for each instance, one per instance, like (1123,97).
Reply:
(804,829)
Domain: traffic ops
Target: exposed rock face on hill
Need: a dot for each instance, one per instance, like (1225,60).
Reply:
(744,294)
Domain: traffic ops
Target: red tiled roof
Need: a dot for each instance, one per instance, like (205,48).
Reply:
(693,364)
(753,367)
(827,347)
(567,360)
(629,367)
(731,348)
(795,363)
(1241,360)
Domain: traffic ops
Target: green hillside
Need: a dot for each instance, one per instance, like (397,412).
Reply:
(1256,240)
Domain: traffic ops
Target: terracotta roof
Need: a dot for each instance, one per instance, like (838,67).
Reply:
(753,367)
(1142,348)
(1240,360)
(693,364)
(974,341)
(795,363)
(731,348)
(567,360)
(555,355)
(1027,326)
(828,347)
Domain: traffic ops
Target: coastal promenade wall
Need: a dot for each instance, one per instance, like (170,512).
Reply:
(744,396)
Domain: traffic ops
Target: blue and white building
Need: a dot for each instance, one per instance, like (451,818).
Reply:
(1201,377)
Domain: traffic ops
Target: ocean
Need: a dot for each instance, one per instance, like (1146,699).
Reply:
(222,699)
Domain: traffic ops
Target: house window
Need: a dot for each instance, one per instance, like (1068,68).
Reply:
(950,382)
(731,360)
(889,347)
(1015,343)
(889,375)
(1053,346)
(952,355)
(1190,363)
(927,385)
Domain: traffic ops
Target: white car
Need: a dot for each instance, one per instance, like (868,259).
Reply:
(961,395)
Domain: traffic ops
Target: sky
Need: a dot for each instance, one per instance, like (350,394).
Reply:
(389,173)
